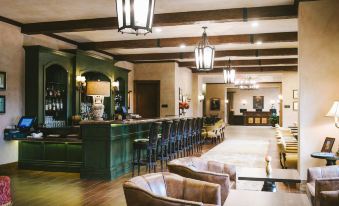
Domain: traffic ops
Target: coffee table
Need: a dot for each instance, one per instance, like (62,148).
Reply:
(257,198)
(277,175)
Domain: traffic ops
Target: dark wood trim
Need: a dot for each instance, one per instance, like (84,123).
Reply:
(191,41)
(257,62)
(168,19)
(253,69)
(190,55)
(10,21)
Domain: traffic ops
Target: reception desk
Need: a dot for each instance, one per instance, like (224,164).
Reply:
(108,146)
(257,118)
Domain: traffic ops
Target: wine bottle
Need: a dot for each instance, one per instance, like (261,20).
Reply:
(53,105)
(61,105)
(57,105)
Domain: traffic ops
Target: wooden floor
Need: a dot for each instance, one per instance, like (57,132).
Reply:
(56,188)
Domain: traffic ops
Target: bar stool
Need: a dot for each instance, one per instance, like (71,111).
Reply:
(163,141)
(148,145)
(187,137)
(197,135)
(180,138)
(194,135)
(173,147)
(201,126)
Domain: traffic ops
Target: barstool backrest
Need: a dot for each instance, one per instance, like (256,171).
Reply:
(166,130)
(153,133)
(197,124)
(174,128)
(181,129)
(188,127)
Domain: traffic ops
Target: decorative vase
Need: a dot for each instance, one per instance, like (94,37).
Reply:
(268,165)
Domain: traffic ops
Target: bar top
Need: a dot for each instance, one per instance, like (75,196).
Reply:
(130,121)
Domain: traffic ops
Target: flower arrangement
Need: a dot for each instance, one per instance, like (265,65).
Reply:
(184,105)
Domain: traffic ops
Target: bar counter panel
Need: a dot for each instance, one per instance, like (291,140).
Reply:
(108,147)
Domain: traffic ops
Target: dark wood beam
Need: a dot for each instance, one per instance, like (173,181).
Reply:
(192,41)
(190,55)
(168,19)
(252,62)
(253,69)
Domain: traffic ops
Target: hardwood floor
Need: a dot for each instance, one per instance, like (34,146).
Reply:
(57,188)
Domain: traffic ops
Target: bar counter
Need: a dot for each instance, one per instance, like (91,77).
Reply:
(108,146)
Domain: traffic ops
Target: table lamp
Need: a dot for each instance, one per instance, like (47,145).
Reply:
(98,90)
(334,112)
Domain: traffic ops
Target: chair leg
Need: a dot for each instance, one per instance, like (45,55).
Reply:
(133,162)
(138,156)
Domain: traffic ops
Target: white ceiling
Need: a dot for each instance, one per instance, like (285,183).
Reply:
(29,11)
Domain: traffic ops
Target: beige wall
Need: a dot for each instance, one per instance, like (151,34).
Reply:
(12,61)
(129,66)
(290,82)
(165,72)
(183,79)
(318,77)
(215,91)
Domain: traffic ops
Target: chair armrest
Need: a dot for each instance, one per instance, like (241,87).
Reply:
(325,184)
(218,167)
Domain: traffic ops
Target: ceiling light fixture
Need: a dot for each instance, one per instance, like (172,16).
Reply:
(204,54)
(246,84)
(135,16)
(182,46)
(229,74)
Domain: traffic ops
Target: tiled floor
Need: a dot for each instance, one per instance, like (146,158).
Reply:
(56,188)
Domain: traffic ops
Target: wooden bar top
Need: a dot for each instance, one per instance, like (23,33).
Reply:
(130,121)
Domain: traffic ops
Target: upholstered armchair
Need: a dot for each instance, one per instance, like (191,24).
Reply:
(5,191)
(209,171)
(166,189)
(323,185)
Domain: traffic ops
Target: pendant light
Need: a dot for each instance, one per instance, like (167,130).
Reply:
(135,16)
(204,54)
(229,74)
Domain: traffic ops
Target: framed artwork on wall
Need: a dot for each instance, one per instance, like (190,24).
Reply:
(2,104)
(328,144)
(215,104)
(2,80)
(295,106)
(258,102)
(295,94)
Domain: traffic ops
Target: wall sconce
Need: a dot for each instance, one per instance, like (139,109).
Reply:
(334,112)
(80,82)
(227,101)
(201,97)
(280,97)
(244,102)
(115,86)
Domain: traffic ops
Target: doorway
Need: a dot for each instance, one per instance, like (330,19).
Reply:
(147,98)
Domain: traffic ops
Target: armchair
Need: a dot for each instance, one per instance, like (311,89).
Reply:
(323,185)
(209,171)
(166,189)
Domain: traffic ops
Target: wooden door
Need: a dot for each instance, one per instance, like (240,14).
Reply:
(147,98)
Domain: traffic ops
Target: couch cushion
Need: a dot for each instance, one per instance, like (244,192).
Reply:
(329,198)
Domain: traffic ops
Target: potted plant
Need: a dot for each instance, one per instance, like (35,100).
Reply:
(274,119)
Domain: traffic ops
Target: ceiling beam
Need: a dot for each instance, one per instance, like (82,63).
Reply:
(192,41)
(168,19)
(256,62)
(190,55)
(253,69)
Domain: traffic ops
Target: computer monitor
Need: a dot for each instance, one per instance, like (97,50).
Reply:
(26,122)
(124,110)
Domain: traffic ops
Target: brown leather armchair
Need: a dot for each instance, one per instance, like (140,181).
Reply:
(209,171)
(166,189)
(323,185)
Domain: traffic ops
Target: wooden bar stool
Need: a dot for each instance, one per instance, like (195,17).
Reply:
(148,146)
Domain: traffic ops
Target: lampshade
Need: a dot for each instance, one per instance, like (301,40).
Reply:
(135,16)
(204,54)
(334,111)
(98,88)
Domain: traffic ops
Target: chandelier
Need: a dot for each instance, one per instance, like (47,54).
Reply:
(135,16)
(229,74)
(204,54)
(247,84)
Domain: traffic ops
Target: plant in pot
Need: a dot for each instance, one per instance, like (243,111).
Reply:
(274,119)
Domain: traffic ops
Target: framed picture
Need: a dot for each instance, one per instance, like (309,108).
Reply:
(215,104)
(258,102)
(2,80)
(295,106)
(2,104)
(328,144)
(295,94)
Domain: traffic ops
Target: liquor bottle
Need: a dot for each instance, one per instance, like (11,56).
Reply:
(51,92)
(53,105)
(57,106)
(46,105)
(61,105)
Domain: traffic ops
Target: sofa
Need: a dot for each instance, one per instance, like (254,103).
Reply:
(209,171)
(5,191)
(166,189)
(323,185)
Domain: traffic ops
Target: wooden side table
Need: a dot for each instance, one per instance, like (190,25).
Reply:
(331,158)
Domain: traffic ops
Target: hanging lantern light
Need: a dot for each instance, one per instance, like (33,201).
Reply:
(229,74)
(204,54)
(135,16)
